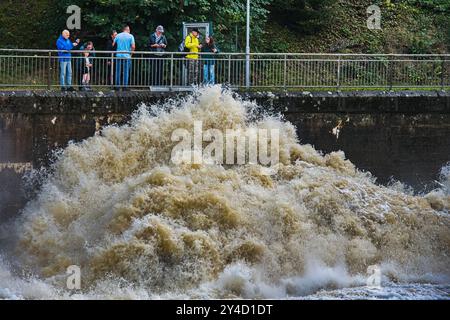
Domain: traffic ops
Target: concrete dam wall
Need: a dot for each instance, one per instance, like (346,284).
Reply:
(403,135)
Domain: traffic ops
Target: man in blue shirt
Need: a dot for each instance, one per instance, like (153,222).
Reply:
(125,46)
(65,58)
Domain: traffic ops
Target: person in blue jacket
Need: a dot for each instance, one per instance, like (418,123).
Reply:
(65,60)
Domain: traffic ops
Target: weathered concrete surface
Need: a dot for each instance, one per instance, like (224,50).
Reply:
(401,135)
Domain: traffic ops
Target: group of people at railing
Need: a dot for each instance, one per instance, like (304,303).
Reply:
(119,65)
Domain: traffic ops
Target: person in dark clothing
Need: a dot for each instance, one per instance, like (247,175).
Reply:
(209,61)
(111,47)
(80,63)
(157,44)
(87,64)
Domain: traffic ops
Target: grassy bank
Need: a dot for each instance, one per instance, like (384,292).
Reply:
(406,27)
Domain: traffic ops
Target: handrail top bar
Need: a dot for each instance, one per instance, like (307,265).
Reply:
(223,58)
(233,53)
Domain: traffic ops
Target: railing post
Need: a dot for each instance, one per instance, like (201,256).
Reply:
(171,71)
(229,70)
(285,72)
(338,80)
(49,71)
(247,71)
(443,70)
(390,74)
(111,80)
(247,49)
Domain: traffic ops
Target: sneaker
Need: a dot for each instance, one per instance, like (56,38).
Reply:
(71,89)
(63,89)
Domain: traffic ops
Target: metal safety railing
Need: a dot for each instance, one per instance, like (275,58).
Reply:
(22,68)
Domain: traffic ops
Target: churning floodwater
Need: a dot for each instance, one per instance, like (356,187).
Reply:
(141,227)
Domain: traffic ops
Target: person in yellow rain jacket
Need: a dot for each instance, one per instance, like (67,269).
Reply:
(192,43)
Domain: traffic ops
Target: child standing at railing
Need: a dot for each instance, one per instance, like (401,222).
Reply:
(87,62)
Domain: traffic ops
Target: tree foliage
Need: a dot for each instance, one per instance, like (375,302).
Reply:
(26,23)
(437,5)
(101,16)
(304,16)
(277,25)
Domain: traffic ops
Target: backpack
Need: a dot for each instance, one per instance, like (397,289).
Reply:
(182,47)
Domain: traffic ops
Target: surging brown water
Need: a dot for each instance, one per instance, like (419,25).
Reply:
(117,207)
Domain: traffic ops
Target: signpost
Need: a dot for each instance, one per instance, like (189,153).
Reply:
(247,49)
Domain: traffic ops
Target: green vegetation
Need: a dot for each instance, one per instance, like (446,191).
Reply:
(408,26)
(26,24)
